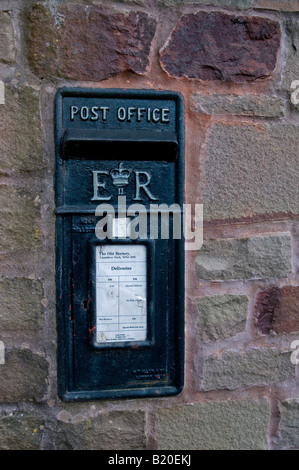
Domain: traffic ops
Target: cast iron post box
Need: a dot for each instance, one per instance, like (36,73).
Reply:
(119,243)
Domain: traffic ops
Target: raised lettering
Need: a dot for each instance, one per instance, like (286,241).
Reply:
(156,118)
(104,110)
(84,113)
(74,110)
(97,184)
(143,185)
(121,114)
(94,115)
(165,115)
(140,112)
(131,112)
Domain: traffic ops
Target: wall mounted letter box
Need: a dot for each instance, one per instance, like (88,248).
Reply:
(119,243)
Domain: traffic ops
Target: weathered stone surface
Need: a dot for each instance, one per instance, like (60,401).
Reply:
(230,425)
(218,46)
(240,4)
(284,5)
(7,40)
(21,138)
(277,310)
(289,424)
(134,2)
(232,369)
(89,43)
(264,256)
(243,171)
(19,220)
(23,377)
(291,68)
(21,308)
(241,105)
(20,431)
(221,316)
(114,430)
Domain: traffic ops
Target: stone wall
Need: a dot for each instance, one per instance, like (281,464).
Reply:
(234,61)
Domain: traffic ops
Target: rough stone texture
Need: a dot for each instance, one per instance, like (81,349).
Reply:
(19,220)
(21,139)
(21,308)
(23,377)
(232,369)
(289,424)
(89,43)
(291,69)
(260,257)
(20,431)
(115,430)
(284,5)
(277,310)
(230,425)
(242,105)
(221,316)
(133,2)
(240,4)
(217,46)
(243,171)
(7,40)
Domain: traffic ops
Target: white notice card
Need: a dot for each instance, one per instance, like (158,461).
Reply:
(121,293)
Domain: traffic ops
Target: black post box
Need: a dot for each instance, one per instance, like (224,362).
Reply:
(119,243)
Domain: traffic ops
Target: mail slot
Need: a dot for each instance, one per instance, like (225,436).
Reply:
(119,243)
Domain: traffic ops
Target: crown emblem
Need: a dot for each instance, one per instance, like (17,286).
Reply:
(120,175)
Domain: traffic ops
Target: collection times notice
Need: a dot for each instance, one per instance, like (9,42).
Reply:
(121,293)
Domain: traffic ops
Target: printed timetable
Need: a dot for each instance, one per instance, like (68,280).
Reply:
(121,293)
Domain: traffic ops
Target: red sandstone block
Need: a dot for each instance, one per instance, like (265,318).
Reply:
(218,46)
(276,310)
(88,43)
